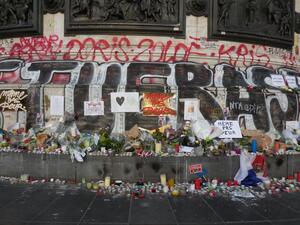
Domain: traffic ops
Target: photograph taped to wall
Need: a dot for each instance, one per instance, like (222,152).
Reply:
(191,108)
(159,104)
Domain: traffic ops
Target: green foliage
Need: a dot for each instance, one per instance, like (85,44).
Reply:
(158,136)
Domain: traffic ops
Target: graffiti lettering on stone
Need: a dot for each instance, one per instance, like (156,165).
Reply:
(12,100)
(224,86)
(124,49)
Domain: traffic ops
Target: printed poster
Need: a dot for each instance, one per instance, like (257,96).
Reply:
(159,104)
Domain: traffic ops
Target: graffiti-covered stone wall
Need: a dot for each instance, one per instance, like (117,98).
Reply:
(85,67)
(249,94)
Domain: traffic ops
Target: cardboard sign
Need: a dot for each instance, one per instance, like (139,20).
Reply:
(196,168)
(230,128)
(291,80)
(292,125)
(159,104)
(94,108)
(13,100)
(57,105)
(277,80)
(125,102)
(191,108)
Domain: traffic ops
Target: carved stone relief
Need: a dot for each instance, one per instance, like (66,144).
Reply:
(197,7)
(53,6)
(144,15)
(268,22)
(20,17)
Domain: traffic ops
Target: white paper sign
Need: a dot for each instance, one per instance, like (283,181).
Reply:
(125,102)
(57,107)
(230,128)
(292,125)
(291,80)
(191,108)
(277,80)
(94,108)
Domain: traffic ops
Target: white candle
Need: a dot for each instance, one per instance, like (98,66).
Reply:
(157,147)
(107,182)
(163,179)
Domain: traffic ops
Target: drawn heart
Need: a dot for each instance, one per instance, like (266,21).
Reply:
(120,100)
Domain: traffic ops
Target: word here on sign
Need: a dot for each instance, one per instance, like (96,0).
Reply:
(230,128)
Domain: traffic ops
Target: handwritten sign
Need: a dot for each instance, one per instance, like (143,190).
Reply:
(277,80)
(292,125)
(291,80)
(12,100)
(94,108)
(230,128)
(57,106)
(196,168)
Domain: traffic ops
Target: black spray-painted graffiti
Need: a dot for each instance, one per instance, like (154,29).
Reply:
(265,108)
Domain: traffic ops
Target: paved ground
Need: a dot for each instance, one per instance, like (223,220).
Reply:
(70,205)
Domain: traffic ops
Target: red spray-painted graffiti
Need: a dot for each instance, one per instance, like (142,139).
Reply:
(122,49)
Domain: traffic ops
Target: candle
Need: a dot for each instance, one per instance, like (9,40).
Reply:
(107,182)
(171,183)
(276,146)
(254,146)
(163,179)
(157,147)
(197,183)
(298,177)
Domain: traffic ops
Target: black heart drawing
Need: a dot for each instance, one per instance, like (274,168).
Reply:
(120,100)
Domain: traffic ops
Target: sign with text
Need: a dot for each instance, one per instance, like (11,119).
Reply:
(94,108)
(291,80)
(196,168)
(13,100)
(277,80)
(230,128)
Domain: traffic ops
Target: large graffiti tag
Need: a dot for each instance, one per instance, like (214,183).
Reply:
(266,107)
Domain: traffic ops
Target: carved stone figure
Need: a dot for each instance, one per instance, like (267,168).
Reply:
(274,11)
(113,11)
(151,9)
(171,7)
(82,8)
(224,8)
(197,7)
(285,23)
(21,9)
(53,6)
(251,11)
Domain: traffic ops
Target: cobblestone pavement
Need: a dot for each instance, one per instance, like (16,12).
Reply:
(47,204)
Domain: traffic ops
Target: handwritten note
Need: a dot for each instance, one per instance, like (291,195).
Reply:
(94,108)
(291,80)
(12,100)
(230,128)
(277,80)
(57,106)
